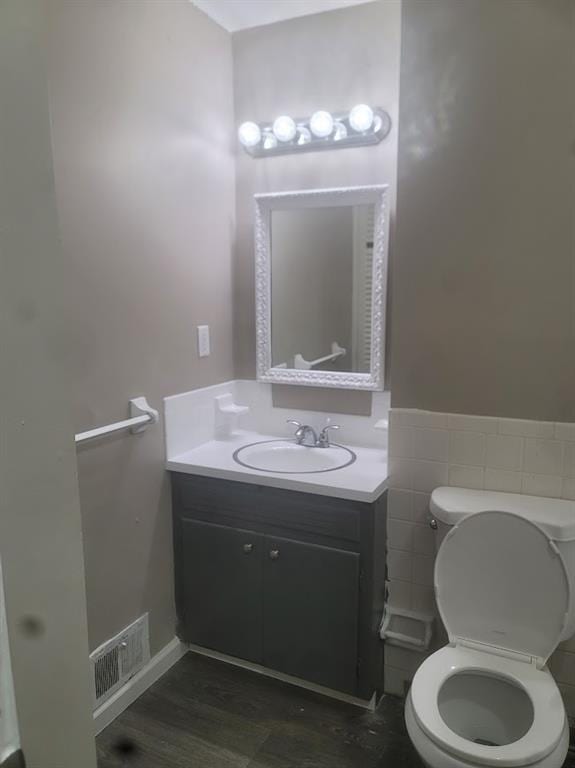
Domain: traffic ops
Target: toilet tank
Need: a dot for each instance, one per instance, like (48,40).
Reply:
(555,516)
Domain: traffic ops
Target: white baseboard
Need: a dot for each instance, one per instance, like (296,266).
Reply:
(368,704)
(142,680)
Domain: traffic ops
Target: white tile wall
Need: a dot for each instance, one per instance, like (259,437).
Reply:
(568,489)
(569,460)
(504,452)
(430,444)
(467,448)
(503,480)
(543,457)
(429,449)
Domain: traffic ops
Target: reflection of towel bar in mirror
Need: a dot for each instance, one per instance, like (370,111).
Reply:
(306,365)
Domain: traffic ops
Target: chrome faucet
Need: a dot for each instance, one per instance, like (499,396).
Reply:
(306,435)
(323,439)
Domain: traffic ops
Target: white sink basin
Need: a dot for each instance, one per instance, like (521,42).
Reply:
(287,457)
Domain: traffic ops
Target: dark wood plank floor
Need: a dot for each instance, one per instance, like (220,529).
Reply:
(206,714)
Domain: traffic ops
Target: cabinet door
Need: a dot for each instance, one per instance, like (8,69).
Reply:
(222,588)
(311,596)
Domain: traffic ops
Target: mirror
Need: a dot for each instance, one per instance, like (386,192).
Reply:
(321,267)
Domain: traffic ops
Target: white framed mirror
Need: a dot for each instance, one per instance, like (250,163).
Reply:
(321,286)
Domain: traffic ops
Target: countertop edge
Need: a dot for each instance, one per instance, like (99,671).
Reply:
(287,483)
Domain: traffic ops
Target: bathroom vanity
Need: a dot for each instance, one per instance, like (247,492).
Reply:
(279,535)
(289,580)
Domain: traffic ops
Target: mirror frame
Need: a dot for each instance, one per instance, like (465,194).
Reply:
(265,204)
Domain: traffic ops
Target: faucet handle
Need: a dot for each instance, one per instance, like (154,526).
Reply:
(297,424)
(324,434)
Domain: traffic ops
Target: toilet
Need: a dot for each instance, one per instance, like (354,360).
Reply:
(504,583)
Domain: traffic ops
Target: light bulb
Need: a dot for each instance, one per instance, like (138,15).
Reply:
(284,128)
(340,131)
(321,124)
(270,141)
(249,134)
(361,118)
(304,135)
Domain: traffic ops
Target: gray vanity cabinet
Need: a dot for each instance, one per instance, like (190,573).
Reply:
(311,596)
(292,581)
(221,578)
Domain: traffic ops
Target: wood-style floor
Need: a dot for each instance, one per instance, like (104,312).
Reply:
(206,714)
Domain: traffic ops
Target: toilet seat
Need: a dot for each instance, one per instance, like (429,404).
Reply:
(548,711)
(501,583)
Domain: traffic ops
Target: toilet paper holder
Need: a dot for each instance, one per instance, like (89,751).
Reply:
(406,629)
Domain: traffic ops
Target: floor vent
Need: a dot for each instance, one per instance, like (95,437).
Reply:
(118,659)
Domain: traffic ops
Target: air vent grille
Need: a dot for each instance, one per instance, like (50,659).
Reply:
(106,672)
(118,659)
(131,653)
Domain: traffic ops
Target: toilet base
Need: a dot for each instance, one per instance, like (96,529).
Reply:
(435,757)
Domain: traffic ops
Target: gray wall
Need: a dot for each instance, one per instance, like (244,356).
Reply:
(40,531)
(484,269)
(143,125)
(331,61)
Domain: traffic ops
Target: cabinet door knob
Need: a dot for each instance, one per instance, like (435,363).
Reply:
(274,554)
(248,548)
(433,523)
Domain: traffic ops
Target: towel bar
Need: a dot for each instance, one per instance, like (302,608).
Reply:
(141,416)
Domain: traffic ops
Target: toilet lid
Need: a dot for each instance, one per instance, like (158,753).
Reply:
(500,581)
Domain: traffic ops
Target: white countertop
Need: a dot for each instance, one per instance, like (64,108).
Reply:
(364,480)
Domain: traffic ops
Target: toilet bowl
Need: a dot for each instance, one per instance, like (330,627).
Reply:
(488,699)
(471,708)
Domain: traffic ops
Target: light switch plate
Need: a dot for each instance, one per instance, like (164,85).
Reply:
(204,340)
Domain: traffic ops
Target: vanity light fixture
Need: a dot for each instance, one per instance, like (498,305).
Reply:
(284,128)
(361,126)
(361,118)
(340,131)
(321,124)
(249,134)
(269,140)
